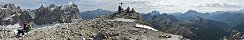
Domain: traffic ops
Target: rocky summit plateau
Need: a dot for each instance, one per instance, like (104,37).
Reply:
(64,23)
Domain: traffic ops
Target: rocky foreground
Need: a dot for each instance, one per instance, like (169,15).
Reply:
(96,29)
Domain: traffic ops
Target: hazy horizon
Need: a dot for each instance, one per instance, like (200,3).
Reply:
(142,6)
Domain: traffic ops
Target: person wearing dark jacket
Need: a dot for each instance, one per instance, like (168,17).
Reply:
(25,27)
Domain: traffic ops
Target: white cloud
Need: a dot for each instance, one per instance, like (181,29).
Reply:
(220,5)
(141,5)
(184,5)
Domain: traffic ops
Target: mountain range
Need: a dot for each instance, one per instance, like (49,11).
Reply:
(195,25)
(95,13)
(222,16)
(196,28)
(46,14)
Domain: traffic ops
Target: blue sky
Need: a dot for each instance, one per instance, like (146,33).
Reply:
(143,6)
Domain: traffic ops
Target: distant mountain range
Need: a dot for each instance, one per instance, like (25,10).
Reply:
(195,28)
(230,17)
(95,13)
(221,16)
(199,26)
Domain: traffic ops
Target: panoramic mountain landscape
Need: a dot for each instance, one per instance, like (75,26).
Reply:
(120,20)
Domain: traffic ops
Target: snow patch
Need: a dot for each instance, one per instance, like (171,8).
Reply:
(52,9)
(145,26)
(122,19)
(174,37)
(9,17)
(10,26)
(3,8)
(53,25)
(13,27)
(44,5)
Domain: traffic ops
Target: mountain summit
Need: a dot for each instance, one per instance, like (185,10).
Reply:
(128,13)
(95,13)
(10,14)
(53,13)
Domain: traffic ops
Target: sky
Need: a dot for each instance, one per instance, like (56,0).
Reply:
(142,6)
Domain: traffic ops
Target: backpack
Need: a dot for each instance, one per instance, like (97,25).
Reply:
(30,27)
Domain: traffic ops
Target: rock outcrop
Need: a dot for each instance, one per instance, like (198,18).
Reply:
(127,14)
(10,14)
(160,21)
(53,13)
(236,33)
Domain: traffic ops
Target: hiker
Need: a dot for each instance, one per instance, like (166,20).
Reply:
(26,28)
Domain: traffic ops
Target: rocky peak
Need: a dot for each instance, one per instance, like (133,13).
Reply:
(9,6)
(53,13)
(99,10)
(95,13)
(43,6)
(163,16)
(191,13)
(128,14)
(70,5)
(52,6)
(154,12)
(9,14)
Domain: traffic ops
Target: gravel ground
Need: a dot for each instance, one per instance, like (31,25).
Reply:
(96,29)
